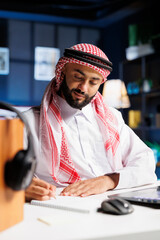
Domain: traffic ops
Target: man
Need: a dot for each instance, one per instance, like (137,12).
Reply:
(82,144)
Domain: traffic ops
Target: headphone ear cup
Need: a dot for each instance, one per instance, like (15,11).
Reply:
(18,173)
(16,170)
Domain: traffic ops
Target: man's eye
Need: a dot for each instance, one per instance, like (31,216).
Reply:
(93,83)
(78,77)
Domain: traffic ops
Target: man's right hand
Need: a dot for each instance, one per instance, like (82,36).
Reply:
(39,190)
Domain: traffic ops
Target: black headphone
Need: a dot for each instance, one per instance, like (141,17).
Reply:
(18,172)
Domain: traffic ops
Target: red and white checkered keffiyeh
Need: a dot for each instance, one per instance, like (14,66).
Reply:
(53,140)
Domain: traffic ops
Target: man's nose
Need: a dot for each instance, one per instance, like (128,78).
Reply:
(83,86)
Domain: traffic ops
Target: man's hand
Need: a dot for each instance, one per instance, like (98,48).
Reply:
(39,190)
(92,186)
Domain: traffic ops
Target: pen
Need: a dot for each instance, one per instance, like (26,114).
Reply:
(35,175)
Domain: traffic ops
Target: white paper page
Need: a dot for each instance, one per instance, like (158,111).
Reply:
(78,204)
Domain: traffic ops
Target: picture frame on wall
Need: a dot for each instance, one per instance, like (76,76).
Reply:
(46,59)
(4,61)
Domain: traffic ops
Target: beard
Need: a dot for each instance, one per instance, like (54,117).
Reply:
(67,93)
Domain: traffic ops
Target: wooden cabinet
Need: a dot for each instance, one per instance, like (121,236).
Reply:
(11,202)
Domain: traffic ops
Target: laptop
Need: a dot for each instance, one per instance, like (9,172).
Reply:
(146,197)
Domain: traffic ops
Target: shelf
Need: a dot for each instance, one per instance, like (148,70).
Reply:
(152,93)
(135,52)
(148,57)
(145,128)
(143,67)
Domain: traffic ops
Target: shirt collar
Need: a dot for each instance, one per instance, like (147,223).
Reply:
(68,112)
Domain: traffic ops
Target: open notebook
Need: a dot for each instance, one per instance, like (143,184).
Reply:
(77,204)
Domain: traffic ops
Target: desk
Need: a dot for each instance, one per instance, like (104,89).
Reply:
(142,224)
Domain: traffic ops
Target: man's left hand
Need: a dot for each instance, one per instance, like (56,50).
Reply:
(91,186)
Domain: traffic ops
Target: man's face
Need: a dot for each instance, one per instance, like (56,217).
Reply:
(80,84)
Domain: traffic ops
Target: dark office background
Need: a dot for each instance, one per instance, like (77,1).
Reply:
(61,24)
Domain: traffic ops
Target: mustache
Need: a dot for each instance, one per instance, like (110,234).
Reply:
(79,91)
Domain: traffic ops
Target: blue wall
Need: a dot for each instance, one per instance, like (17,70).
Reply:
(21,37)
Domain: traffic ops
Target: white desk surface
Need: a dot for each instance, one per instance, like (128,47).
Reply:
(142,224)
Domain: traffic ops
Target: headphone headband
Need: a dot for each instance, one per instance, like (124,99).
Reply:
(89,58)
(7,106)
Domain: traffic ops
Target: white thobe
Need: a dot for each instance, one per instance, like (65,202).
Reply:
(87,149)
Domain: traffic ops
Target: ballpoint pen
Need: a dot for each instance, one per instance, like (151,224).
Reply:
(35,175)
